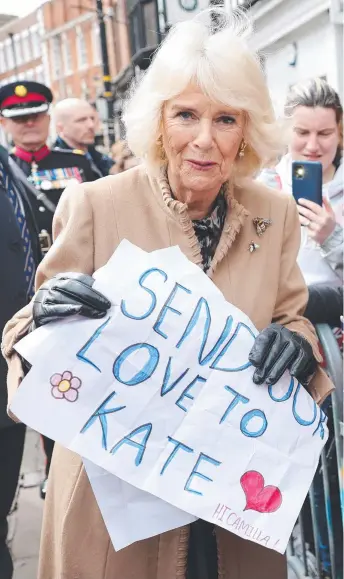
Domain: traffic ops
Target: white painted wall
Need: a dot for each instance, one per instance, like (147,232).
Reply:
(315,57)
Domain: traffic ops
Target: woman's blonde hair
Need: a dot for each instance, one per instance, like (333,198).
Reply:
(219,61)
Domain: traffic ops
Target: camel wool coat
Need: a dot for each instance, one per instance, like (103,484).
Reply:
(266,284)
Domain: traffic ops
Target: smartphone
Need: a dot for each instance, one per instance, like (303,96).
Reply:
(307,181)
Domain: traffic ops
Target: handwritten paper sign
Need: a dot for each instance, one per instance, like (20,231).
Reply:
(130,514)
(160,394)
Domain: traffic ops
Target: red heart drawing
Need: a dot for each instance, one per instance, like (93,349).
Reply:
(258,497)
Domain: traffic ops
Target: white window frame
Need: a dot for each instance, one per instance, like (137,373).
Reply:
(26,46)
(96,48)
(35,41)
(18,49)
(56,61)
(67,54)
(9,54)
(30,74)
(39,73)
(3,63)
(81,48)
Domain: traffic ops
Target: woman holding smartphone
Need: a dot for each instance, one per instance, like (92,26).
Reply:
(316,115)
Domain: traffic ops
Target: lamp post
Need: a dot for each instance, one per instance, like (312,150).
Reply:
(107,94)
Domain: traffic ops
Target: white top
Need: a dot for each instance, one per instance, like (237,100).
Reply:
(320,264)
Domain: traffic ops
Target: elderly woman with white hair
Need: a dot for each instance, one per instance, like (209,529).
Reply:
(202,123)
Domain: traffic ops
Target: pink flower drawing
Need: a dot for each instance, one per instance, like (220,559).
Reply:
(65,386)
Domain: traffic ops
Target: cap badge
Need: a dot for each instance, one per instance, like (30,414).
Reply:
(20,90)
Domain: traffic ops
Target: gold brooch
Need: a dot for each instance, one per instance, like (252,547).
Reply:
(253,247)
(261,225)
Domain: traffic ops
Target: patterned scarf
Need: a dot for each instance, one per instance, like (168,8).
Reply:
(209,229)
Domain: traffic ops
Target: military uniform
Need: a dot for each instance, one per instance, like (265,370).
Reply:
(100,164)
(48,171)
(40,177)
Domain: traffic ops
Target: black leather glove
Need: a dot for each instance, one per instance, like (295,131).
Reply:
(277,349)
(68,294)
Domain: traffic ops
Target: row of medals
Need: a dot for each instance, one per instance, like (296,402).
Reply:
(59,181)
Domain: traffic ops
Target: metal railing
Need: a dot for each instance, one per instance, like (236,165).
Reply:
(315,550)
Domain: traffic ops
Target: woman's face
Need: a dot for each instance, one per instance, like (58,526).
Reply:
(201,139)
(315,135)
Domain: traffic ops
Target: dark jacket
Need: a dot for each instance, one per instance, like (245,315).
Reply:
(57,170)
(325,305)
(100,164)
(12,280)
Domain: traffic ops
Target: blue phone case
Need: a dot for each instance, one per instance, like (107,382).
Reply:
(307,181)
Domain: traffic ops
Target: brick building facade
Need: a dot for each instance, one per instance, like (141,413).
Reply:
(21,50)
(72,45)
(59,45)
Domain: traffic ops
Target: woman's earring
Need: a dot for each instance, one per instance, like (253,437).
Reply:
(162,153)
(242,149)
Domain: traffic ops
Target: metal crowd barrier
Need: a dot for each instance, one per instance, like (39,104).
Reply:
(315,550)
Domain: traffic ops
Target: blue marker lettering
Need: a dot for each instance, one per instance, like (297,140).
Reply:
(203,305)
(147,370)
(196,473)
(248,417)
(140,446)
(322,421)
(101,413)
(286,396)
(297,417)
(185,393)
(178,445)
(81,354)
(166,307)
(214,365)
(237,398)
(149,291)
(166,387)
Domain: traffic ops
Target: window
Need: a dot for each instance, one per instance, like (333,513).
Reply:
(55,49)
(2,59)
(142,26)
(35,42)
(136,28)
(26,46)
(9,54)
(81,48)
(67,54)
(18,49)
(39,74)
(96,43)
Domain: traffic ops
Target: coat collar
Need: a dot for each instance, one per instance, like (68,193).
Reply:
(235,219)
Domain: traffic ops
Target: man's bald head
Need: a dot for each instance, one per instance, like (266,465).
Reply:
(75,121)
